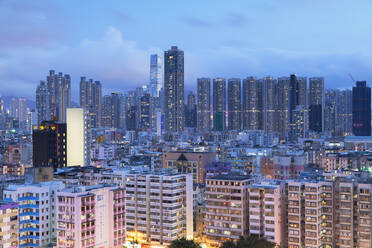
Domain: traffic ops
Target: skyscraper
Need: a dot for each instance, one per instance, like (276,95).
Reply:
(59,88)
(155,75)
(144,122)
(22,112)
(269,104)
(361,109)
(77,138)
(316,104)
(330,112)
(14,108)
(49,145)
(252,104)
(297,93)
(219,104)
(174,90)
(190,110)
(111,111)
(42,102)
(344,122)
(283,106)
(234,104)
(91,99)
(204,104)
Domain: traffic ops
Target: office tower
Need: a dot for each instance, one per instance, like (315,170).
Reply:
(267,211)
(234,104)
(219,104)
(42,102)
(111,111)
(9,224)
(190,110)
(174,90)
(144,107)
(227,209)
(77,137)
(59,88)
(95,217)
(361,109)
(344,122)
(36,211)
(269,104)
(14,108)
(155,75)
(204,104)
(283,106)
(158,208)
(316,104)
(252,104)
(49,142)
(91,99)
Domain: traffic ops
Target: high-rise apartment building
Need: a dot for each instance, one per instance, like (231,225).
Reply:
(329,213)
(111,111)
(344,122)
(234,104)
(316,104)
(91,100)
(204,104)
(267,211)
(297,93)
(174,90)
(91,216)
(22,112)
(36,206)
(155,75)
(158,208)
(145,112)
(59,88)
(49,142)
(252,104)
(219,104)
(191,110)
(269,104)
(9,224)
(361,109)
(226,209)
(283,106)
(42,102)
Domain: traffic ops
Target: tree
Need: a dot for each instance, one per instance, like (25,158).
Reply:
(184,243)
(249,242)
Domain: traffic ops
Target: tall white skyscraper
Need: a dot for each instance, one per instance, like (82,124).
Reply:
(77,136)
(155,75)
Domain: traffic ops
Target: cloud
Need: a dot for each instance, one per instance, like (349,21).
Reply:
(122,17)
(29,25)
(118,63)
(196,22)
(235,19)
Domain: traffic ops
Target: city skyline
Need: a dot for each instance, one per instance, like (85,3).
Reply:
(115,50)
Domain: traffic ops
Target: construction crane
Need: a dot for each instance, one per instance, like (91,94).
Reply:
(351,76)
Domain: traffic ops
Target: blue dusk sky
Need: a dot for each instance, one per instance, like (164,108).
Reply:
(111,41)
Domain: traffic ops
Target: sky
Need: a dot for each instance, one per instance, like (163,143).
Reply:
(112,41)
